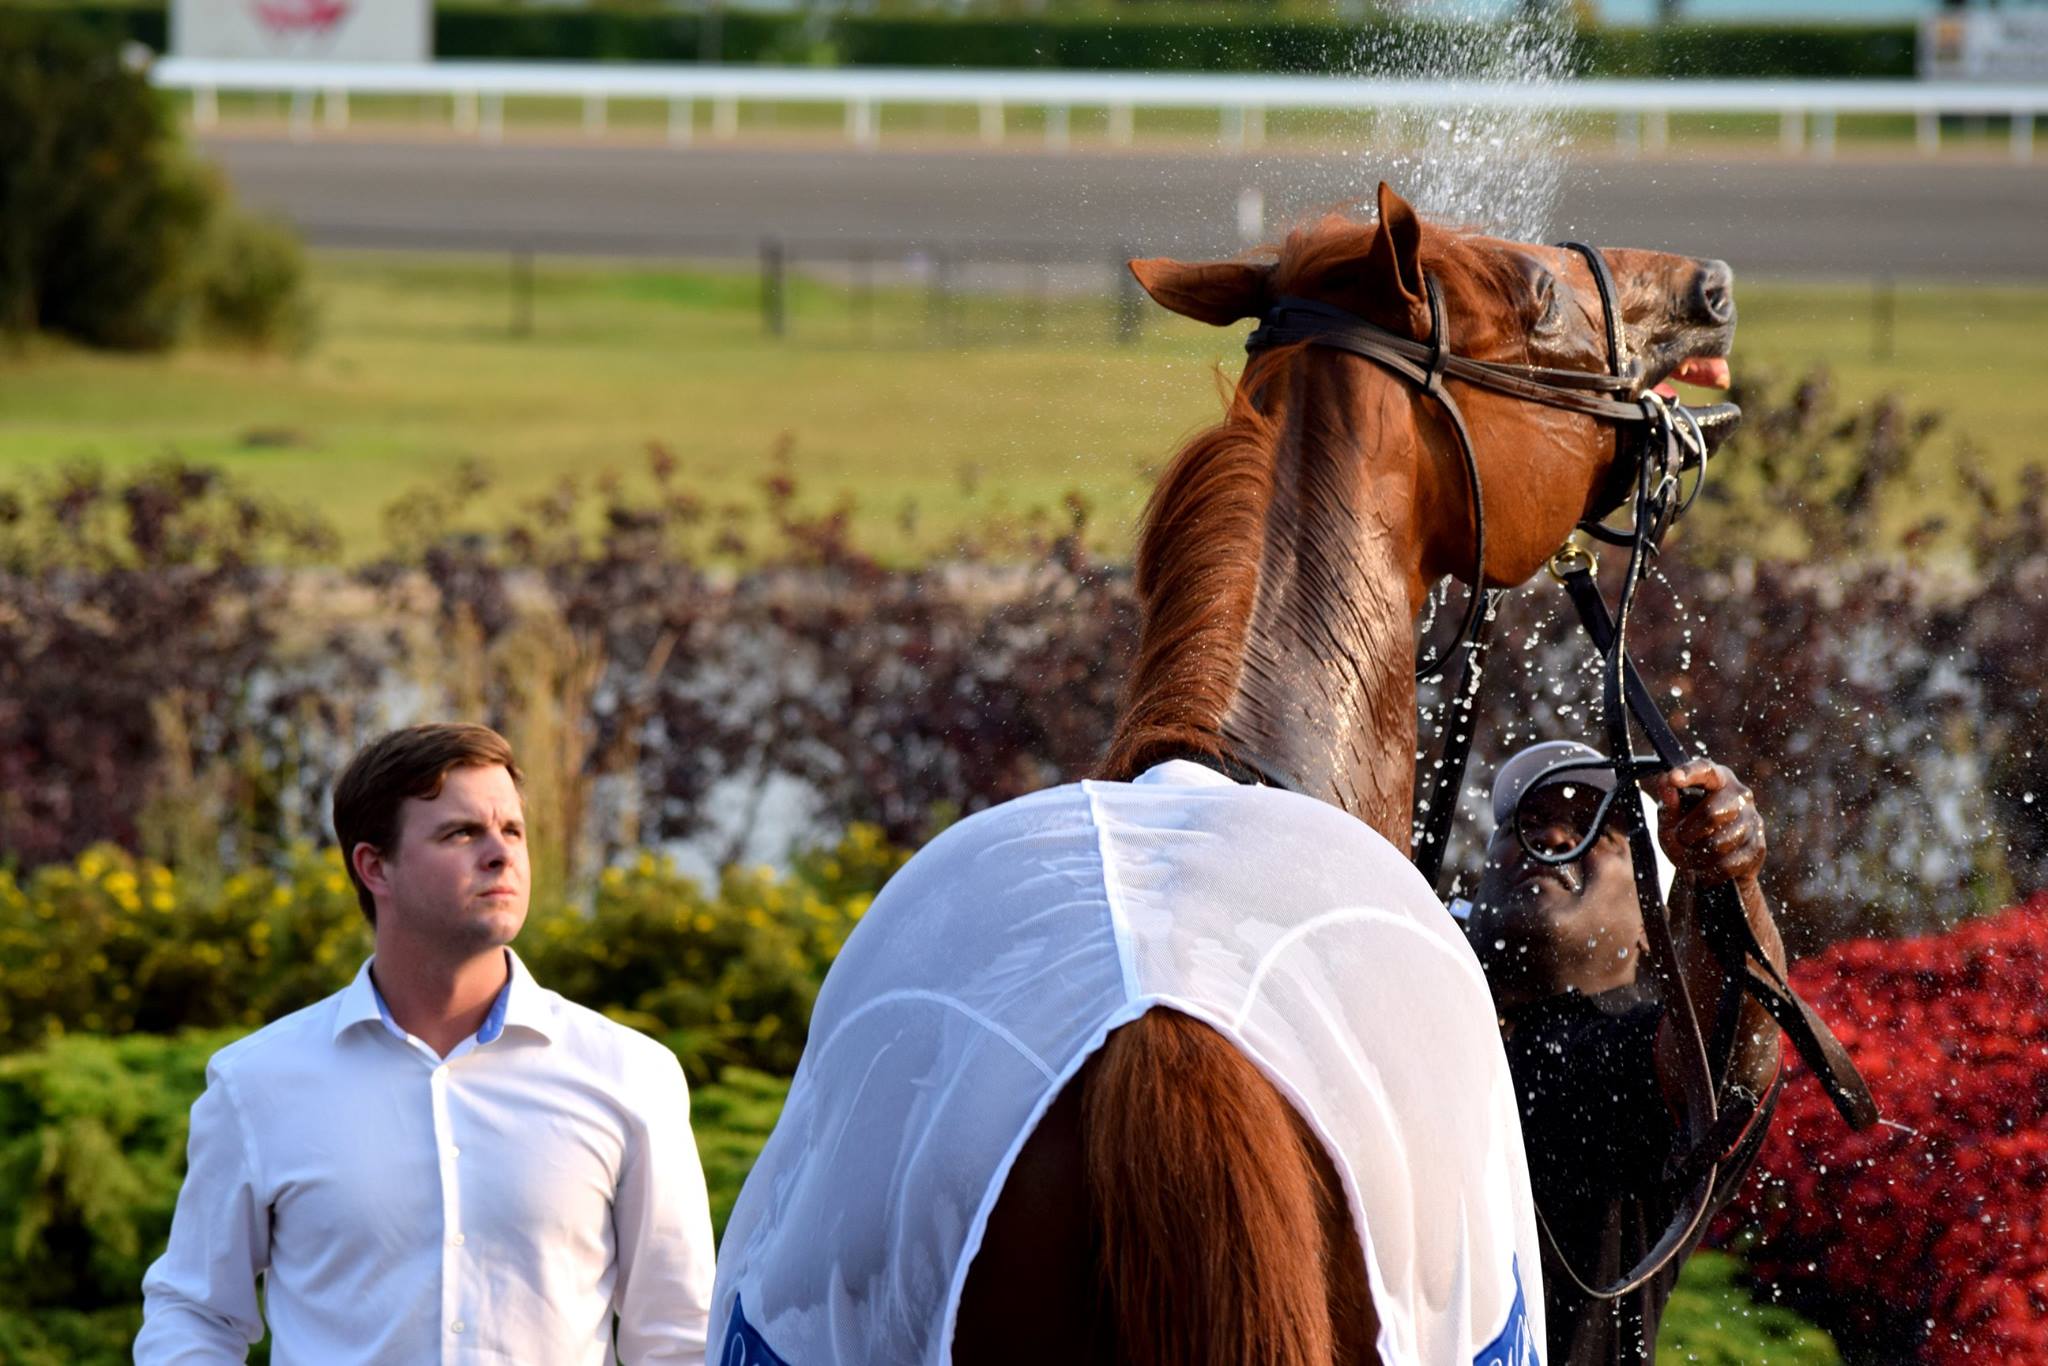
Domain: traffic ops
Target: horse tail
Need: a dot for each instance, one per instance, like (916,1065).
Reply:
(1208,1204)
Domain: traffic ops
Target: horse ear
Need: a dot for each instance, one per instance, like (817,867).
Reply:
(1386,285)
(1218,292)
(1395,259)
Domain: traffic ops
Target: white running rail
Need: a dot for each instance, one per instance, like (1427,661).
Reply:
(478,90)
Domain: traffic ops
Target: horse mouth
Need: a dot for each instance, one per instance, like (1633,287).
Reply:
(1690,350)
(1705,368)
(1707,372)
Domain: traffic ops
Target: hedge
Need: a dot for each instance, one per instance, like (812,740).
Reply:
(1925,1238)
(1155,41)
(118,945)
(168,694)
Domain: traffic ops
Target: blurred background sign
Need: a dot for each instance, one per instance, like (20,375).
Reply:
(1986,45)
(315,30)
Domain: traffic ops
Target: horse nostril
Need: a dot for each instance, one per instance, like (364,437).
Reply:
(1714,293)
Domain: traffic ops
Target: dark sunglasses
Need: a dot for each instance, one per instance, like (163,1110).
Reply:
(1562,797)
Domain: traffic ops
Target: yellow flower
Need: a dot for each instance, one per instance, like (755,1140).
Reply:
(162,901)
(280,896)
(703,924)
(91,864)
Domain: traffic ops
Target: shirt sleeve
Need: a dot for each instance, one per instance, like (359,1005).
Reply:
(199,1303)
(662,1218)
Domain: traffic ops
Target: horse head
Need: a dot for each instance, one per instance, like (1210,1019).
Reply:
(1288,550)
(1542,468)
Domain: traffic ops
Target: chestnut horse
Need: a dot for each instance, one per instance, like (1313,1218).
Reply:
(1171,1208)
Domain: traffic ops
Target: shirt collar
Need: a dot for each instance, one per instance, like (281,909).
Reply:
(521,1003)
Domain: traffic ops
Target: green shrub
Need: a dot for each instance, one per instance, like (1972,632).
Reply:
(130,21)
(101,215)
(252,288)
(732,1119)
(92,1148)
(1713,1320)
(115,944)
(72,1337)
(109,232)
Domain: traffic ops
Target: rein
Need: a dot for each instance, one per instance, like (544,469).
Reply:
(1651,483)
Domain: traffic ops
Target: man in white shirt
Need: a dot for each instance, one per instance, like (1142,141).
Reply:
(443,1162)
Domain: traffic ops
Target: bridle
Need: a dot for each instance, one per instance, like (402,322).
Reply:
(1614,395)
(1647,475)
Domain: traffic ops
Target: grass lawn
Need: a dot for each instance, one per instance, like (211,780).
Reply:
(932,421)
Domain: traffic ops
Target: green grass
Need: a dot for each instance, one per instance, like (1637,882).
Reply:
(1967,351)
(1713,1320)
(935,423)
(946,423)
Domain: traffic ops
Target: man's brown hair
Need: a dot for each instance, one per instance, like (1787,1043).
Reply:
(391,769)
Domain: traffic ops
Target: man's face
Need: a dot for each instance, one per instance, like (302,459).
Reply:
(458,879)
(1539,928)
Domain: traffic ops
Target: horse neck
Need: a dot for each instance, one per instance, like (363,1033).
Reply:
(1302,668)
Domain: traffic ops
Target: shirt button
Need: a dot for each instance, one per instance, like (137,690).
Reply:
(454,1151)
(458,1240)
(457,1326)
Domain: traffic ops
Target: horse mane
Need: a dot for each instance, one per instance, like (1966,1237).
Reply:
(1196,585)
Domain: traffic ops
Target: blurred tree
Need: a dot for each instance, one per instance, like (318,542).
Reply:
(101,216)
(109,232)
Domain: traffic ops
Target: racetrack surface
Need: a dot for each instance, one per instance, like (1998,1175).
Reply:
(1950,219)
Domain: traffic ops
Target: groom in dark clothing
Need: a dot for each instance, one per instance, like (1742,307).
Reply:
(1595,1056)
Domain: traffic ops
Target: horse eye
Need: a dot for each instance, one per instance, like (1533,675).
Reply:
(1547,306)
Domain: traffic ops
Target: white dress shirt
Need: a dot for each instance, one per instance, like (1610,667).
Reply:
(498,1205)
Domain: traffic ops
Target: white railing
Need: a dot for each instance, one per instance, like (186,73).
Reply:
(478,90)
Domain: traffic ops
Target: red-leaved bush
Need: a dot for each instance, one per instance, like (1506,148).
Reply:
(1931,1236)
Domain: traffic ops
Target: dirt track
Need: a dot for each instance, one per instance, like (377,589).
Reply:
(1951,219)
